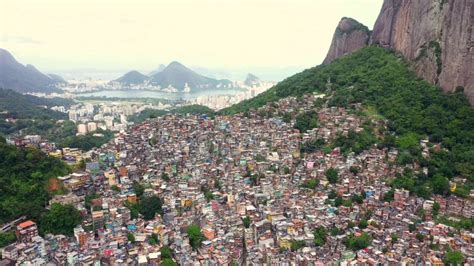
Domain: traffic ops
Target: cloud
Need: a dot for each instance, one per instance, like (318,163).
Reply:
(19,40)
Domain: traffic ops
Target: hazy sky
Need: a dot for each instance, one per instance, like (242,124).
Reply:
(250,35)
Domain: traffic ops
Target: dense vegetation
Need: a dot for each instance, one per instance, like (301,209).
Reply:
(320,235)
(355,142)
(189,109)
(33,117)
(383,82)
(88,141)
(195,236)
(60,219)
(148,207)
(24,175)
(358,242)
(306,121)
(7,238)
(30,112)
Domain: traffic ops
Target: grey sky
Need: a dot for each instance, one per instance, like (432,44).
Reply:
(231,35)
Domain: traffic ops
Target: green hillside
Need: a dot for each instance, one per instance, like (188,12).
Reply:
(24,175)
(16,105)
(383,81)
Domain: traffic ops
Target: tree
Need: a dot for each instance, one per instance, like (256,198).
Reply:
(88,200)
(332,194)
(168,262)
(60,219)
(320,235)
(131,237)
(153,240)
(81,165)
(358,242)
(7,238)
(440,185)
(338,201)
(195,236)
(311,184)
(420,237)
(246,221)
(332,175)
(150,206)
(357,198)
(138,188)
(363,224)
(297,244)
(208,195)
(453,258)
(389,195)
(306,121)
(394,238)
(436,208)
(354,169)
(165,176)
(335,231)
(166,252)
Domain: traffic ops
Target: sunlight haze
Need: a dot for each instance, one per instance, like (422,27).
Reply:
(226,35)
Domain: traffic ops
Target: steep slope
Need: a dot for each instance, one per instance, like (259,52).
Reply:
(132,77)
(15,76)
(350,35)
(436,35)
(384,82)
(24,175)
(57,78)
(178,76)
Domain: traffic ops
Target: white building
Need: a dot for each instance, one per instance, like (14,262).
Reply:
(81,129)
(91,126)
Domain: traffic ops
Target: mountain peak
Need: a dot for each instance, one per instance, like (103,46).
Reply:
(251,80)
(350,35)
(6,56)
(176,64)
(20,78)
(132,77)
(179,76)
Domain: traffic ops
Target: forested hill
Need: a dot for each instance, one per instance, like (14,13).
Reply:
(382,80)
(16,105)
(24,175)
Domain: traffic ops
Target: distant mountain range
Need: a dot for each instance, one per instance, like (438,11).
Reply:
(20,78)
(175,75)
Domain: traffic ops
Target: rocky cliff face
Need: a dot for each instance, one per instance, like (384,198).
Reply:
(436,35)
(350,35)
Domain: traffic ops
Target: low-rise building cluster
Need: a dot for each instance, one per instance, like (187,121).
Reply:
(245,182)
